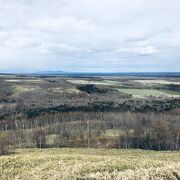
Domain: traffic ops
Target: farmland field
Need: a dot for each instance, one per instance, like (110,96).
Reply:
(141,91)
(147,92)
(104,82)
(90,163)
(22,80)
(156,81)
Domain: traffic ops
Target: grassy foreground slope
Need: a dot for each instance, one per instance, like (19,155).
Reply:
(89,164)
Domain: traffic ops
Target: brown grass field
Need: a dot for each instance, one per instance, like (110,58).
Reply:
(66,163)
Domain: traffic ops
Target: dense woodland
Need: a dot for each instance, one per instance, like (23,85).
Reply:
(52,112)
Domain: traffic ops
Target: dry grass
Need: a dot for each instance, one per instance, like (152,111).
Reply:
(72,90)
(89,164)
(61,90)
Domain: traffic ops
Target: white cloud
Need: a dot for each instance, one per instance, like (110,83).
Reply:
(20,42)
(3,35)
(56,48)
(68,24)
(146,50)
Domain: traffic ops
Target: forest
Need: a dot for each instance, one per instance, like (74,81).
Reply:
(98,112)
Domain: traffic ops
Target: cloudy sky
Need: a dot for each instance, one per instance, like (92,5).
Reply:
(89,35)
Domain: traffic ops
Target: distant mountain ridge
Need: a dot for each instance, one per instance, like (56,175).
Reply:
(148,74)
(77,74)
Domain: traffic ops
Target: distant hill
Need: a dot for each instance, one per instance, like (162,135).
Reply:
(145,74)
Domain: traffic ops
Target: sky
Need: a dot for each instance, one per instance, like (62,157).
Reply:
(90,35)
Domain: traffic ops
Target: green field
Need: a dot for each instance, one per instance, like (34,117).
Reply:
(68,163)
(146,92)
(171,92)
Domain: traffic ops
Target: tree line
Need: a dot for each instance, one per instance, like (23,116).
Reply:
(152,131)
